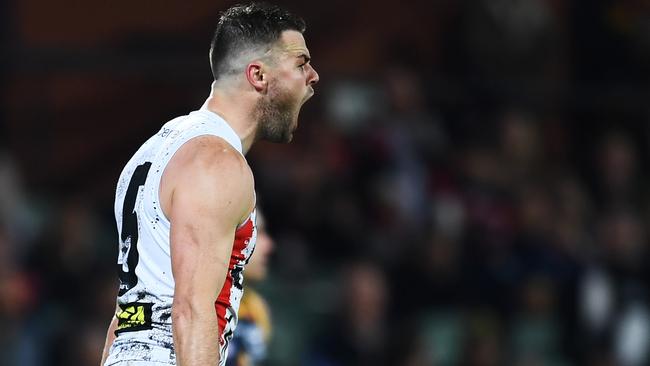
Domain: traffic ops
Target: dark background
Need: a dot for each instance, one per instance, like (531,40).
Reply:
(467,187)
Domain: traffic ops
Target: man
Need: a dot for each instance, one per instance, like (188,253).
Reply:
(185,201)
(249,344)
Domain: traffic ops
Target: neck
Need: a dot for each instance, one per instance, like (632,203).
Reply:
(235,109)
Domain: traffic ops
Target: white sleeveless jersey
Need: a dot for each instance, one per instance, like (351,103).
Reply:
(146,289)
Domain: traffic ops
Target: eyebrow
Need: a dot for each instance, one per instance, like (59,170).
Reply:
(304,57)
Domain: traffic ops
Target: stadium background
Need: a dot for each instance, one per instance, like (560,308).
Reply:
(468,186)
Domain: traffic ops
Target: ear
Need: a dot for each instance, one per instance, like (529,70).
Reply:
(256,76)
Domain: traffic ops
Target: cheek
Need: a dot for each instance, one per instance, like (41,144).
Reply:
(294,76)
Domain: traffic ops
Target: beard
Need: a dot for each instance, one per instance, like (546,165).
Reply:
(275,114)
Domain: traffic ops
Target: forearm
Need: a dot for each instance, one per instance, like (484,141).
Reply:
(110,337)
(196,336)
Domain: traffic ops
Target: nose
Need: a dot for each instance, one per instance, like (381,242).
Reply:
(313,77)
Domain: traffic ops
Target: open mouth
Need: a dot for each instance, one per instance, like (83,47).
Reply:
(309,94)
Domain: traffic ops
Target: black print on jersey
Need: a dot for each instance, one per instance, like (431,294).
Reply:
(238,280)
(129,236)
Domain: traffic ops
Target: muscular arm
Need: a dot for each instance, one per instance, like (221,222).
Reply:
(212,193)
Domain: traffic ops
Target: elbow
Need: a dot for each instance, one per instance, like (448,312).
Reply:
(181,312)
(186,311)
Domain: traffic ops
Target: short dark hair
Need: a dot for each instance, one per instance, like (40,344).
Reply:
(247,26)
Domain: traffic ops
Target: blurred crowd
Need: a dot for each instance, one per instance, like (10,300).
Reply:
(476,197)
(495,248)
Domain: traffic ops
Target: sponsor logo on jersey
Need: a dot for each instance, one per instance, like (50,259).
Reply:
(133,316)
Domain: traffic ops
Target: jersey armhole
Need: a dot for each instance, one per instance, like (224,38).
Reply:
(162,161)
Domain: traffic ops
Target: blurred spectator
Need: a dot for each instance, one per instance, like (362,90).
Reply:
(615,292)
(513,42)
(521,145)
(72,262)
(619,183)
(359,334)
(536,335)
(484,341)
(14,210)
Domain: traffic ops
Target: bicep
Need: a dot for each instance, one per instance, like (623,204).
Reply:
(208,203)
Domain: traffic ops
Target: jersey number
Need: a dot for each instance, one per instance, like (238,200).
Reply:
(129,234)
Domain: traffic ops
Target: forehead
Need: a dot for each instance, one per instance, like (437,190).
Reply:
(292,43)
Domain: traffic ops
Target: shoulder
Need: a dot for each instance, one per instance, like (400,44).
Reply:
(207,166)
(210,155)
(212,152)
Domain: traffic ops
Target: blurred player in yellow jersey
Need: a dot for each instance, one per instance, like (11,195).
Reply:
(249,344)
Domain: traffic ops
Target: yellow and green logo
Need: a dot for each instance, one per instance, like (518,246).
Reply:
(133,316)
